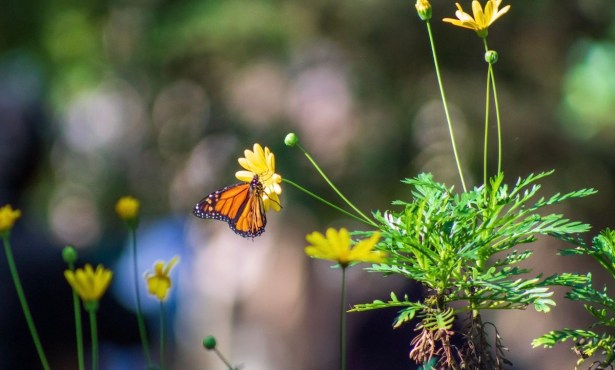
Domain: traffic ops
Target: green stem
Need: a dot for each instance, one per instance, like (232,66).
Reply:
(328,203)
(497,117)
(497,110)
(445,104)
(140,318)
(221,357)
(78,325)
(22,299)
(94,333)
(161,335)
(367,219)
(343,321)
(486,143)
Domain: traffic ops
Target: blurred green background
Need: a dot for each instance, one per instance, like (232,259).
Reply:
(158,99)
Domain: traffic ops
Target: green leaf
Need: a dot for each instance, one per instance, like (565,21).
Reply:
(552,338)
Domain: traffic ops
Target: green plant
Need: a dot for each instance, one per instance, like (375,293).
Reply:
(598,304)
(462,247)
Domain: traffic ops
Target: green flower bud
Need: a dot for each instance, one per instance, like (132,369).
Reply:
(69,254)
(209,342)
(291,139)
(491,56)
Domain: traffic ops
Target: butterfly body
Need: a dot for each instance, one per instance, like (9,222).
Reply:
(241,205)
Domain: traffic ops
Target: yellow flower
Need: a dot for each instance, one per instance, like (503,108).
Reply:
(482,19)
(8,216)
(261,162)
(89,284)
(127,208)
(336,246)
(158,282)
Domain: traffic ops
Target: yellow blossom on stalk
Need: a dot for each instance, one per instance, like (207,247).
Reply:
(159,282)
(482,19)
(89,284)
(127,208)
(336,246)
(8,216)
(423,8)
(261,162)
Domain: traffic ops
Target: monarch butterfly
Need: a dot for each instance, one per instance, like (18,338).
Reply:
(241,205)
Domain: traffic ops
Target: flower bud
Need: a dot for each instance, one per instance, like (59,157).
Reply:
(127,208)
(491,56)
(423,8)
(291,139)
(8,217)
(209,342)
(69,254)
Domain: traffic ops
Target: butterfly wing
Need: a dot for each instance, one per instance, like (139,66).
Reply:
(252,220)
(241,205)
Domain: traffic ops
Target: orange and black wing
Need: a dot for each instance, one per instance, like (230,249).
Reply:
(241,205)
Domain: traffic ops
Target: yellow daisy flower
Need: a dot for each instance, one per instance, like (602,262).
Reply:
(336,247)
(127,208)
(482,19)
(261,162)
(159,282)
(90,285)
(8,217)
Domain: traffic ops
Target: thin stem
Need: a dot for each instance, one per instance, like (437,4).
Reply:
(78,325)
(22,299)
(94,333)
(327,202)
(497,117)
(343,321)
(221,357)
(367,219)
(486,143)
(445,104)
(161,335)
(320,171)
(140,319)
(497,110)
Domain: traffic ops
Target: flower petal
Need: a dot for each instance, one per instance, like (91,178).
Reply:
(272,200)
(463,16)
(316,238)
(245,176)
(500,13)
(479,16)
(258,150)
(489,12)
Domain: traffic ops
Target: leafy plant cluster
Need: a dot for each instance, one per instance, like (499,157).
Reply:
(464,249)
(598,304)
